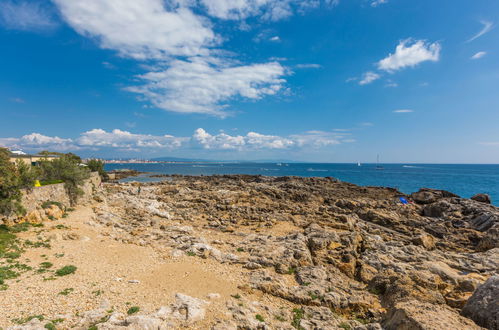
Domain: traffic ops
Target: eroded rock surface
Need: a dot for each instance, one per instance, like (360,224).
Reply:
(342,255)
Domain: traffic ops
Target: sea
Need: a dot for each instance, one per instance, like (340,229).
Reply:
(463,180)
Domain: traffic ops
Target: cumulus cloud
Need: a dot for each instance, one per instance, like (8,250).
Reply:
(487,26)
(256,141)
(199,85)
(97,139)
(478,55)
(410,53)
(139,29)
(37,141)
(26,16)
(369,77)
(123,139)
(403,111)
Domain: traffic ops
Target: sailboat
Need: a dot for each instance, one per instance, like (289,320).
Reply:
(358,164)
(378,167)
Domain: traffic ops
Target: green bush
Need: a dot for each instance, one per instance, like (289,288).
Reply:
(96,165)
(133,310)
(66,168)
(66,270)
(10,193)
(49,182)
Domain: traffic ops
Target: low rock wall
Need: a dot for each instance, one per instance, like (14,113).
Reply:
(33,198)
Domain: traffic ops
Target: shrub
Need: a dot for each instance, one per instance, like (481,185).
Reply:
(66,270)
(96,165)
(133,310)
(66,168)
(10,193)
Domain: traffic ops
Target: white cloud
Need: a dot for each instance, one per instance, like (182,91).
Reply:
(123,139)
(273,10)
(99,139)
(37,141)
(308,66)
(478,55)
(26,16)
(410,53)
(376,3)
(139,29)
(369,77)
(256,141)
(275,39)
(202,86)
(487,26)
(403,111)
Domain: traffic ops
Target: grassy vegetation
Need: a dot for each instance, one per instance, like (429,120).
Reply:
(66,270)
(133,310)
(298,315)
(191,254)
(49,182)
(66,291)
(47,204)
(28,318)
(236,296)
(345,326)
(259,318)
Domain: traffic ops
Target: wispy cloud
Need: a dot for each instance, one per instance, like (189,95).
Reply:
(308,66)
(369,77)
(478,55)
(487,26)
(376,3)
(403,111)
(269,10)
(17,100)
(410,53)
(35,16)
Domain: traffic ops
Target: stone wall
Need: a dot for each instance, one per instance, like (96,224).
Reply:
(33,199)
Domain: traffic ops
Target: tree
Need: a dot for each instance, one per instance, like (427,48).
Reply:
(68,169)
(27,174)
(96,165)
(10,194)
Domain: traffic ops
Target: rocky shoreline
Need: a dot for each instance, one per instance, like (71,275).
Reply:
(309,253)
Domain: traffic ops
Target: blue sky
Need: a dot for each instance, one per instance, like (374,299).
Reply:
(309,80)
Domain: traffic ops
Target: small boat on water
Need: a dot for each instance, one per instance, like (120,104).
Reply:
(358,164)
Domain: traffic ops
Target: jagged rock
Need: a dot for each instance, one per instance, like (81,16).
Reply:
(483,306)
(188,308)
(54,211)
(417,315)
(427,196)
(34,324)
(490,240)
(34,217)
(425,240)
(482,198)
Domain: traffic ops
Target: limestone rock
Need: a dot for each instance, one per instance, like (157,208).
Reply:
(417,315)
(483,306)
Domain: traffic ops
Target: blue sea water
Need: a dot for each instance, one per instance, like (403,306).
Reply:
(463,180)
